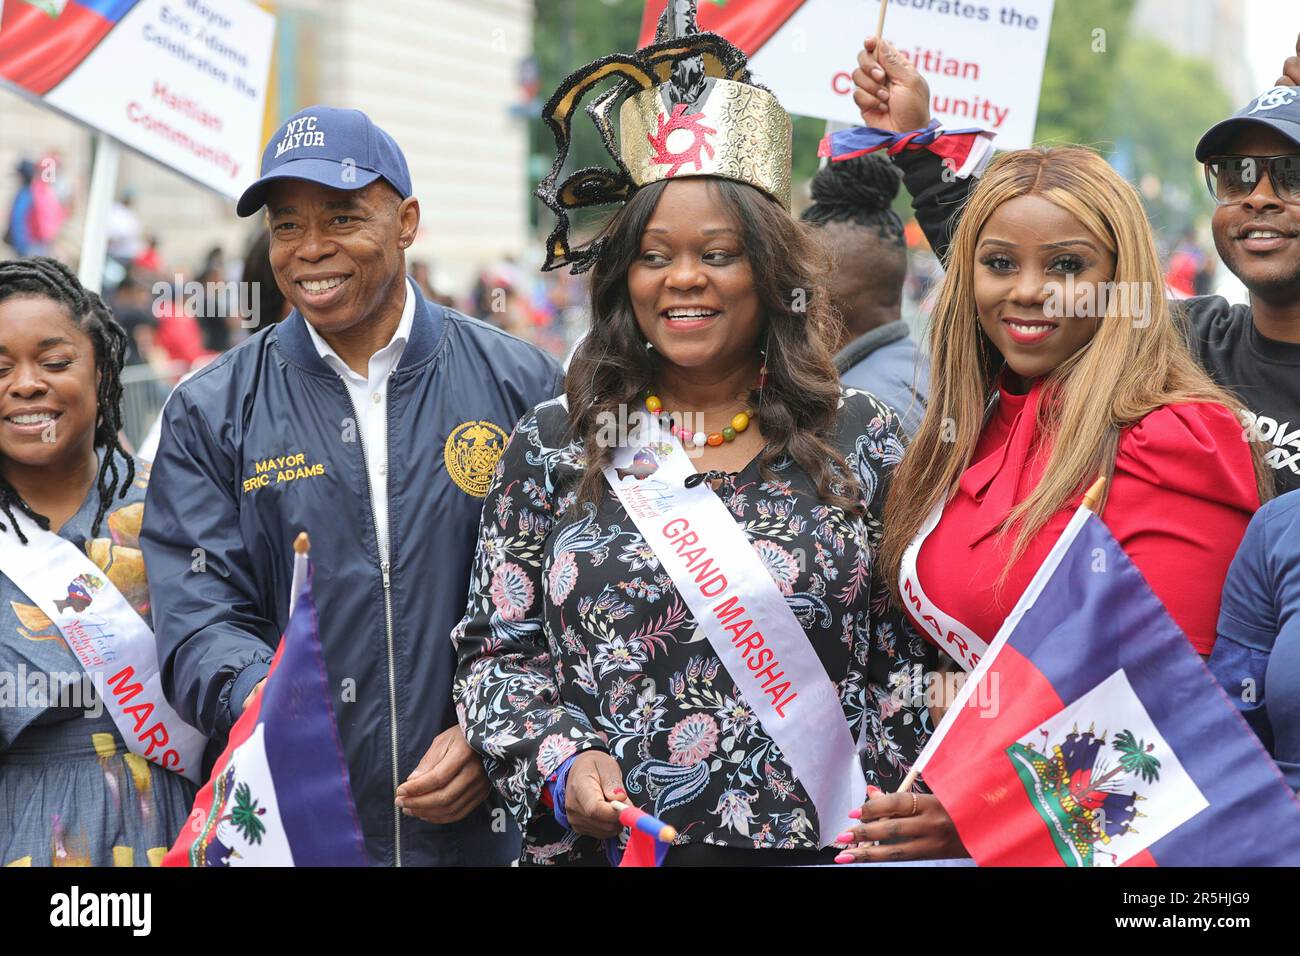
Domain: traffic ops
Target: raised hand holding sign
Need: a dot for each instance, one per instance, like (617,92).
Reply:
(1291,68)
(888,90)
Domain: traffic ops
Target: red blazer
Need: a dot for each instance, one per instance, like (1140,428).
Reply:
(1181,497)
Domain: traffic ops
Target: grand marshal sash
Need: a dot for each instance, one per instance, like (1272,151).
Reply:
(961,643)
(111,641)
(745,618)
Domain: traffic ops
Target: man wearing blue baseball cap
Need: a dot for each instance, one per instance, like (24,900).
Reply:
(1252,168)
(372,419)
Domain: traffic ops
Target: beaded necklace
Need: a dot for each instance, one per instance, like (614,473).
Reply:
(739,422)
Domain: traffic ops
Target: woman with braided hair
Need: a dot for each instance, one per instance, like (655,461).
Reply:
(875,353)
(74,790)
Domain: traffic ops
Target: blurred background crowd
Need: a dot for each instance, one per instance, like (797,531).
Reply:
(457,83)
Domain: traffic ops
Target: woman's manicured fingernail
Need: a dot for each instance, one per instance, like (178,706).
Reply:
(844,858)
(873,791)
(846,837)
(856,813)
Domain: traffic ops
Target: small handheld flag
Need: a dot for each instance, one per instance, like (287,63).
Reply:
(649,838)
(1092,734)
(965,151)
(279,795)
(637,819)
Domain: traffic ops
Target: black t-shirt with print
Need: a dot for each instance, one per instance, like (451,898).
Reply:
(1264,373)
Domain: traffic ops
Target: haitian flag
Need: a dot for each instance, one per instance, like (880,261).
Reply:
(967,151)
(1109,743)
(284,752)
(42,41)
(746,23)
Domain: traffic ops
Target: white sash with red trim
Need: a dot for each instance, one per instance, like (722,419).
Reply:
(961,643)
(112,642)
(745,618)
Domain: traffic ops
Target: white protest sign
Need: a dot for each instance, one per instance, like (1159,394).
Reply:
(182,81)
(982,60)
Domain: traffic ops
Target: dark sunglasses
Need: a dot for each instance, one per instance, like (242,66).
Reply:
(1232,178)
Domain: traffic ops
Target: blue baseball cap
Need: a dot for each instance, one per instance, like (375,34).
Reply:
(1278,108)
(338,148)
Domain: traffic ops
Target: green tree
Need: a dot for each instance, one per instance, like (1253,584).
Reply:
(1081,76)
(567,35)
(1141,104)
(1165,102)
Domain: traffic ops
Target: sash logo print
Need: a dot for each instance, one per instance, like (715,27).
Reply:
(124,685)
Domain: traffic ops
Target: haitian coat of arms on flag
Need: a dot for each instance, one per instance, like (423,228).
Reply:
(1094,788)
(244,814)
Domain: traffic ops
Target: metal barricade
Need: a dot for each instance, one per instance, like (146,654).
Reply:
(144,390)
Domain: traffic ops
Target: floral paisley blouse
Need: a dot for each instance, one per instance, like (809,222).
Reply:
(575,637)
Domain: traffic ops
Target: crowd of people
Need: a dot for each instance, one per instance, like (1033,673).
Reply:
(746,397)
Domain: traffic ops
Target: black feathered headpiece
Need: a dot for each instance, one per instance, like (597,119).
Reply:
(687,107)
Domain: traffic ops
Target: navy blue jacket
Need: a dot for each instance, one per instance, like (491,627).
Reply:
(261,445)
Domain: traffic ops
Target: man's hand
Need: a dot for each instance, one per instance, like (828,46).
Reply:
(1291,68)
(889,92)
(594,780)
(253,693)
(448,782)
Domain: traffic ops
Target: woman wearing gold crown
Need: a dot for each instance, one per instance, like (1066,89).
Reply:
(673,603)
(93,762)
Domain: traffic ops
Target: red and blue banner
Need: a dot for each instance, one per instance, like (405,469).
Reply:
(42,41)
(746,23)
(279,794)
(1093,735)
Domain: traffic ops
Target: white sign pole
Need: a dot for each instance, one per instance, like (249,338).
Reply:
(99,204)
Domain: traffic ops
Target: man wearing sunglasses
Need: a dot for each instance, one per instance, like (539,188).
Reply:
(1252,168)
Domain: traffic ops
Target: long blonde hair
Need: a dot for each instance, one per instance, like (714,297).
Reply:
(1136,362)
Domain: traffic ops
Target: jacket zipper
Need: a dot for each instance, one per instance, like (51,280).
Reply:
(385,569)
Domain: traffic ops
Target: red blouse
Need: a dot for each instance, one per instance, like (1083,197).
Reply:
(1181,497)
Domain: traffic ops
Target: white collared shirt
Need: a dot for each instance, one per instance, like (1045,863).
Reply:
(370,399)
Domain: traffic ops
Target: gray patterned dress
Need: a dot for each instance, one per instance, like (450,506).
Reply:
(71,794)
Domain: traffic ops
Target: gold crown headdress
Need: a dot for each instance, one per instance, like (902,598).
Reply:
(687,107)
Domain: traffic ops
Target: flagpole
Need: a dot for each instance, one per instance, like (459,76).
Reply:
(633,817)
(1094,495)
(1090,500)
(301,549)
(880,22)
(99,205)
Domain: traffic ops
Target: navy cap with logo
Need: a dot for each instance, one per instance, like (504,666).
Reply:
(338,148)
(1278,108)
